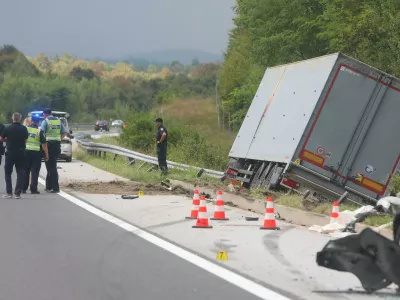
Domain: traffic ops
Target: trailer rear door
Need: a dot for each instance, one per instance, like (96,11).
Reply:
(351,126)
(371,165)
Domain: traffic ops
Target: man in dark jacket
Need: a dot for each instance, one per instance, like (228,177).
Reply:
(15,137)
(2,127)
(161,139)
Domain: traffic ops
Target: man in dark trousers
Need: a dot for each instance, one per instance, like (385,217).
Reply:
(15,137)
(54,131)
(162,139)
(36,145)
(2,150)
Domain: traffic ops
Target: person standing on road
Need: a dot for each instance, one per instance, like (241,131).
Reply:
(54,131)
(15,137)
(35,144)
(2,127)
(162,139)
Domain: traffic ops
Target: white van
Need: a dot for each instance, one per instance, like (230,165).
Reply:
(66,144)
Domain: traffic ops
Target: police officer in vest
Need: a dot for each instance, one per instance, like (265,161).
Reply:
(33,156)
(54,131)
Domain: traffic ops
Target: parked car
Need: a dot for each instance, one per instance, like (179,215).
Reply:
(117,123)
(102,125)
(66,150)
(66,143)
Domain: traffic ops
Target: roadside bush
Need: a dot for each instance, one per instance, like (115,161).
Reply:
(395,184)
(139,133)
(185,144)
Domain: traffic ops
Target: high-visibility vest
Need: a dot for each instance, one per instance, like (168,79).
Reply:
(53,132)
(33,142)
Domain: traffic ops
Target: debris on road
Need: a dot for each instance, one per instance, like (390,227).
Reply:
(129,196)
(166,185)
(252,218)
(372,258)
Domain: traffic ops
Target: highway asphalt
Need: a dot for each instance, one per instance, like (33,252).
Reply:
(53,249)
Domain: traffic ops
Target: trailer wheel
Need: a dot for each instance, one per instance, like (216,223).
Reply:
(257,179)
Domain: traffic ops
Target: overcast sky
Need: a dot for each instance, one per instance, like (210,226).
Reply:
(105,28)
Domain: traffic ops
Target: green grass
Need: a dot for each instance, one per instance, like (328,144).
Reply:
(111,140)
(200,114)
(139,171)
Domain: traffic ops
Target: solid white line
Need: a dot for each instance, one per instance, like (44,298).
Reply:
(229,276)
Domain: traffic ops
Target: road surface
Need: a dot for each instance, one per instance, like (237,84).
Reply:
(54,249)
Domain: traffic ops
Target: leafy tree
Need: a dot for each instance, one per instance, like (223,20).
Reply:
(273,32)
(195,62)
(80,73)
(89,89)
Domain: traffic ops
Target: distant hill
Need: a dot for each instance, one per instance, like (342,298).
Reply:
(166,57)
(184,56)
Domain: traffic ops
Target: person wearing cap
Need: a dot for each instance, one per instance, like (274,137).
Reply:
(15,136)
(35,144)
(161,139)
(55,132)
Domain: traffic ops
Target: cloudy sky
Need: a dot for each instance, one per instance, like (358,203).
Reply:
(105,28)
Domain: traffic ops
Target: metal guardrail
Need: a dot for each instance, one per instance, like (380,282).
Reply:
(132,155)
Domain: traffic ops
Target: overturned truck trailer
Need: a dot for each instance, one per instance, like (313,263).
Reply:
(324,127)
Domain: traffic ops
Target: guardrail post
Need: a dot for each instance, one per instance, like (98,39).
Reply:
(131,161)
(115,157)
(104,155)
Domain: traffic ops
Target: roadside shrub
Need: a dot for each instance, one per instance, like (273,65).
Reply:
(395,184)
(140,132)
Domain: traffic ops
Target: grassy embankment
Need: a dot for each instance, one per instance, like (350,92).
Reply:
(201,117)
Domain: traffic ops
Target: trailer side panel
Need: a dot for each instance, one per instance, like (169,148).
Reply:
(281,110)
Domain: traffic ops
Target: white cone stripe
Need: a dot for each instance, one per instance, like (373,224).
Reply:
(202,215)
(196,197)
(219,197)
(269,216)
(195,207)
(203,203)
(270,205)
(219,208)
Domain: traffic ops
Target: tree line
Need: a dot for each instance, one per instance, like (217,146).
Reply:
(273,32)
(91,90)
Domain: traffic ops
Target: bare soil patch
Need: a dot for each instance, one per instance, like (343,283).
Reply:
(122,188)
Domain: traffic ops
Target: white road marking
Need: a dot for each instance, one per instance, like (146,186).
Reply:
(229,276)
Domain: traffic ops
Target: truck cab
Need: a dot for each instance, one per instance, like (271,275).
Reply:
(66,144)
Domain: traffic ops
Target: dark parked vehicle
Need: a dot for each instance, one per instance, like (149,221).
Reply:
(102,125)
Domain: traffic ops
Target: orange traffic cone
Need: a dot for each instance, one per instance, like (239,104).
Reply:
(219,212)
(269,219)
(335,212)
(202,219)
(195,205)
